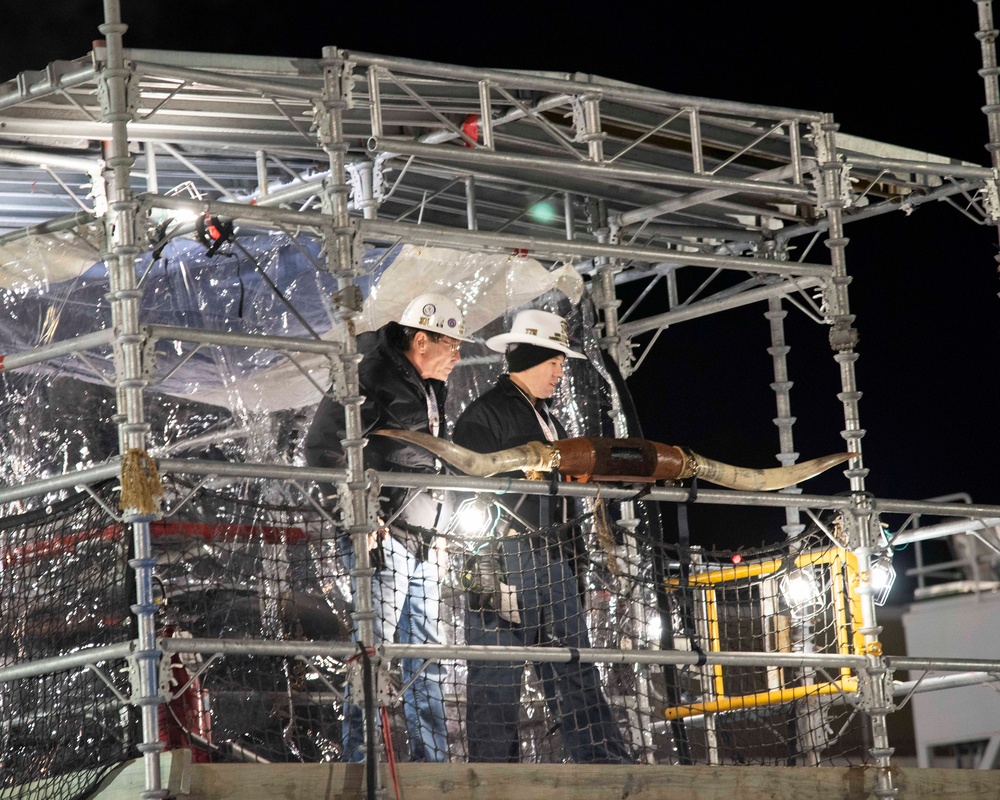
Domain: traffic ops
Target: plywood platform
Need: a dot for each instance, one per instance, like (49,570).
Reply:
(543,782)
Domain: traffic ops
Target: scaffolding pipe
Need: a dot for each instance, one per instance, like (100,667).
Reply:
(556,248)
(942,664)
(990,72)
(939,682)
(549,83)
(665,494)
(132,426)
(590,655)
(59,224)
(31,158)
(340,260)
(253,340)
(712,305)
(843,337)
(37,355)
(696,198)
(63,663)
(583,169)
(53,84)
(905,205)
(499,485)
(942,168)
(943,529)
(563,249)
(987,37)
(245,83)
(470,203)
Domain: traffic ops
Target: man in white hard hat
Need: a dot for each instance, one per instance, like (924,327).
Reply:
(536,568)
(402,378)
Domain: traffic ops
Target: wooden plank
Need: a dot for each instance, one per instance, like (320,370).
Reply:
(550,782)
(126,782)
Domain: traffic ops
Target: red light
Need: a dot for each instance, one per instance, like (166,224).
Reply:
(737,558)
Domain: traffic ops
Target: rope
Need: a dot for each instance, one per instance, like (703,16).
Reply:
(141,487)
(604,534)
(390,752)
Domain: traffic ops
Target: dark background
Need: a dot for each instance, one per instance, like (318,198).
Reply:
(925,285)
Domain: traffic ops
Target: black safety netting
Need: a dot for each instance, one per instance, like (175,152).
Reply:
(64,590)
(255,561)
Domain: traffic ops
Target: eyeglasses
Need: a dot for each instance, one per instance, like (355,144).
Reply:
(452,344)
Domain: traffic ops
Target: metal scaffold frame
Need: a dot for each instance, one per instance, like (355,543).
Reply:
(364,149)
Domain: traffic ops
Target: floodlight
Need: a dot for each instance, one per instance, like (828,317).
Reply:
(475,517)
(881,576)
(802,593)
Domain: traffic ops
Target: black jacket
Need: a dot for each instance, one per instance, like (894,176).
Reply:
(502,418)
(394,398)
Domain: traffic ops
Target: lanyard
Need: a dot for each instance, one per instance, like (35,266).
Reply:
(433,419)
(433,415)
(546,424)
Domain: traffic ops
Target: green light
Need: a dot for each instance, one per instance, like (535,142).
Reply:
(543,212)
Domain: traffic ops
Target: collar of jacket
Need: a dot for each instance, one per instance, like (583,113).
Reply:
(402,363)
(512,389)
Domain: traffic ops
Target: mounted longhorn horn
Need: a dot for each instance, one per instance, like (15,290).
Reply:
(623,460)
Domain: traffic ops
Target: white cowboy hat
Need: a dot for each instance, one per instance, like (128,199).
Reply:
(537,327)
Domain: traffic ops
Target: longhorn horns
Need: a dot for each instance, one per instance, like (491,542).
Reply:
(631,460)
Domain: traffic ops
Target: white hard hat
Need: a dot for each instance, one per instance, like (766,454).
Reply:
(537,327)
(435,313)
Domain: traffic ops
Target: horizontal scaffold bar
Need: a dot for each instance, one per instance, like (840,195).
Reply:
(946,168)
(585,169)
(566,249)
(439,652)
(715,305)
(37,355)
(555,248)
(552,82)
(68,480)
(292,343)
(81,658)
(247,83)
(668,494)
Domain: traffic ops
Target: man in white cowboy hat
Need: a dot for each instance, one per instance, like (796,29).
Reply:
(536,566)
(402,376)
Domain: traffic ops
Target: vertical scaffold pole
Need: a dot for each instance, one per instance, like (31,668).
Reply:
(810,730)
(340,258)
(588,124)
(990,73)
(834,192)
(124,296)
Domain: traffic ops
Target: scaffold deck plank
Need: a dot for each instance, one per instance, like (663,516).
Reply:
(338,781)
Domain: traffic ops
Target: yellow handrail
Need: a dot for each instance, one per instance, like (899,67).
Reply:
(768,698)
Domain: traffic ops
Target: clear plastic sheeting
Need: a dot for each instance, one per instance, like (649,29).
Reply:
(218,400)
(265,285)
(483,284)
(46,260)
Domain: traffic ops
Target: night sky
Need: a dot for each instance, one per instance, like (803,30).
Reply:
(925,285)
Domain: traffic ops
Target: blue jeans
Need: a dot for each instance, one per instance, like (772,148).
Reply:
(406,598)
(551,612)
